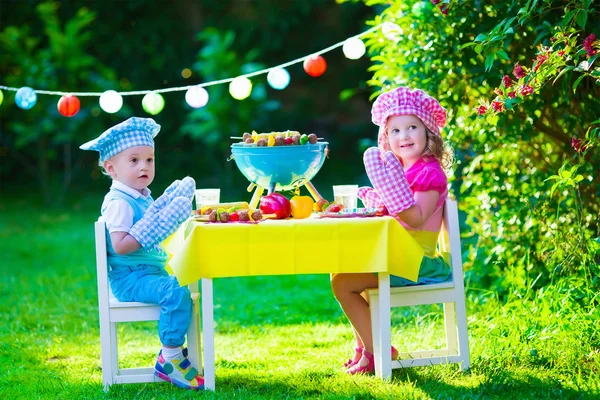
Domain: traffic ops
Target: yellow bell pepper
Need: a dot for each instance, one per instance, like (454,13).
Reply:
(301,206)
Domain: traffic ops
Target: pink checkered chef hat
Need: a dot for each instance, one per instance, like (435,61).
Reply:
(403,101)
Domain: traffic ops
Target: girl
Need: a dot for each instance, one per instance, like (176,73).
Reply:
(407,173)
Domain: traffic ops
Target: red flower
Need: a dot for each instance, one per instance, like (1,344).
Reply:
(498,91)
(512,95)
(506,81)
(444,8)
(576,144)
(526,90)
(539,61)
(518,71)
(434,2)
(561,53)
(498,106)
(481,110)
(588,44)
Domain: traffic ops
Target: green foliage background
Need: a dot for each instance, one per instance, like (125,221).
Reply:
(522,234)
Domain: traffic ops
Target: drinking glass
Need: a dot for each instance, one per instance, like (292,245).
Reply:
(347,195)
(207,196)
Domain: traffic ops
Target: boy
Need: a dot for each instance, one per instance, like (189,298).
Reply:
(136,225)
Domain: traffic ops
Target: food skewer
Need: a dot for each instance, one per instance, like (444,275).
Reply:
(240,138)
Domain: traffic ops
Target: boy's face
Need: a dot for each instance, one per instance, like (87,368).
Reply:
(133,167)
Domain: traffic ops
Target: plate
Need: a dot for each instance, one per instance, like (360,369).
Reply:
(350,213)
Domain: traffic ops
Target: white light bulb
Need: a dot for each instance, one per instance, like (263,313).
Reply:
(354,48)
(111,101)
(196,97)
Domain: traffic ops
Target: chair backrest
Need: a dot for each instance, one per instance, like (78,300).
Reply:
(449,241)
(104,292)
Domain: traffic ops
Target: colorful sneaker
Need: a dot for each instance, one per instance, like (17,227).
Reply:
(178,372)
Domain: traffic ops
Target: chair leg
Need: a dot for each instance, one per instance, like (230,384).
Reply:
(383,360)
(106,354)
(114,352)
(194,338)
(450,324)
(208,333)
(463,333)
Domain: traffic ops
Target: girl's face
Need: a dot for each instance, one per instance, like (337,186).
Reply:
(133,167)
(407,136)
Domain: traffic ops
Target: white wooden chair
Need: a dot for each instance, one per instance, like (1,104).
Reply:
(113,311)
(451,293)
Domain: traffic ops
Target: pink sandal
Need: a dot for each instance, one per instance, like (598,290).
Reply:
(370,367)
(351,361)
(366,369)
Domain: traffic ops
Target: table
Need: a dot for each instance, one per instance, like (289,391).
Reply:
(203,251)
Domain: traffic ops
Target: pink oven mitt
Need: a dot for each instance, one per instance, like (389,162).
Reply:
(371,199)
(388,179)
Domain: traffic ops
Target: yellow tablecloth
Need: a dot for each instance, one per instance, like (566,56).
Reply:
(305,246)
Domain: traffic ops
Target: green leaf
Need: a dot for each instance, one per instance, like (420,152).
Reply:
(478,49)
(502,54)
(489,61)
(577,82)
(481,37)
(567,19)
(554,188)
(565,174)
(569,68)
(578,178)
(581,18)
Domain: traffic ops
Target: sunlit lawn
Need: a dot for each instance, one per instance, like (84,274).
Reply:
(276,337)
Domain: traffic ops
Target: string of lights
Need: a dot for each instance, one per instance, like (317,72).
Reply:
(196,95)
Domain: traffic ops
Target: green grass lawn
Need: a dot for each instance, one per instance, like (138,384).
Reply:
(276,337)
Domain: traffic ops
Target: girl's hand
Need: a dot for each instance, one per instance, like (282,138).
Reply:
(388,178)
(371,199)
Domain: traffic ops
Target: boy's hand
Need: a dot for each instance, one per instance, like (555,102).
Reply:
(155,227)
(388,178)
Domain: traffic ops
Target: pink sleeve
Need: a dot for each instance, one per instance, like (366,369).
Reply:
(430,178)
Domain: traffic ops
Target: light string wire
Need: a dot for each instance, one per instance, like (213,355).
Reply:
(205,84)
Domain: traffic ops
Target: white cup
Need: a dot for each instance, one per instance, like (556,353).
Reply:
(207,196)
(346,195)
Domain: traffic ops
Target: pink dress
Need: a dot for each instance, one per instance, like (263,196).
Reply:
(424,176)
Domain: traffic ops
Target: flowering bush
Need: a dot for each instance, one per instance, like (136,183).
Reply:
(523,95)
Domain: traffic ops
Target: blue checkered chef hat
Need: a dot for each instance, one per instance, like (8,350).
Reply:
(130,133)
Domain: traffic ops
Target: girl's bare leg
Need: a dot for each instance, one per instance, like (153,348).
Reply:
(347,289)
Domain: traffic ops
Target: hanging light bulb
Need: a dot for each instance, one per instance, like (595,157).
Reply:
(68,105)
(278,78)
(111,101)
(240,88)
(1,97)
(354,48)
(26,98)
(315,65)
(153,103)
(196,97)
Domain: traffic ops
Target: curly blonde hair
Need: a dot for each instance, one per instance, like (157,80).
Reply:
(440,150)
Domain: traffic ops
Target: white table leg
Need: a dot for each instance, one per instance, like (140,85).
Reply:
(208,331)
(383,360)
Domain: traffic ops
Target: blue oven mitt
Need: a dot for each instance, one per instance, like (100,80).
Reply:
(155,227)
(184,188)
(164,216)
